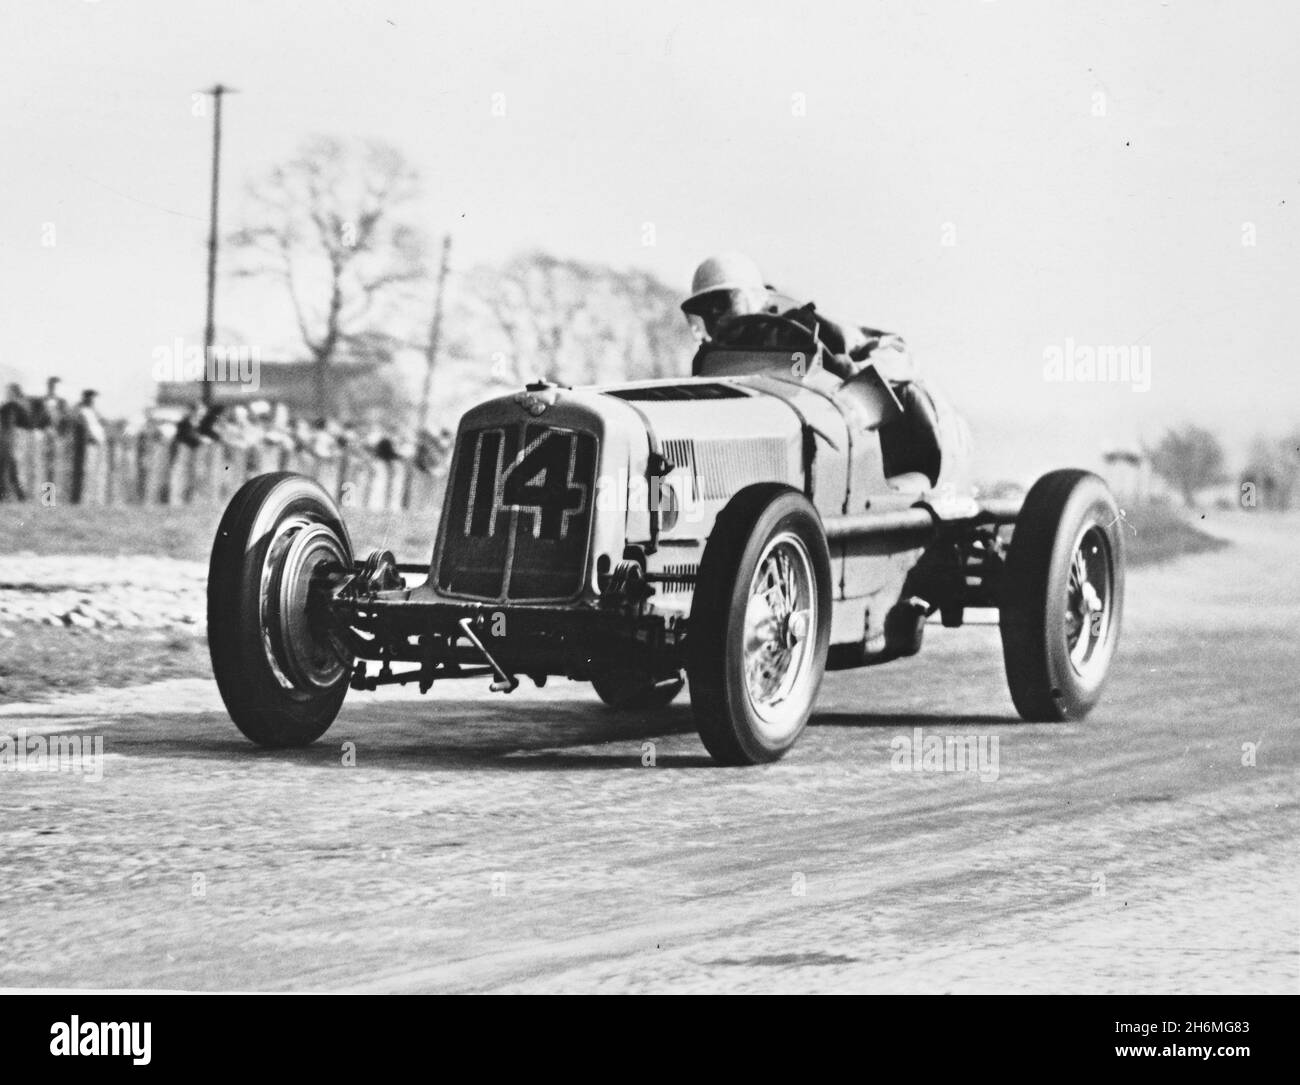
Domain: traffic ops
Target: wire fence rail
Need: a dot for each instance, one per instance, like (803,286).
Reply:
(143,470)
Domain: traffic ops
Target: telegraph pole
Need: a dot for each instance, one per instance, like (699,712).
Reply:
(435,334)
(209,327)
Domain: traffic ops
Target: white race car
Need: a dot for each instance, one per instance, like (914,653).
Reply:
(746,528)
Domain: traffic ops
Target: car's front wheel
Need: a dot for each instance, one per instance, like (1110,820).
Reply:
(760,625)
(281,671)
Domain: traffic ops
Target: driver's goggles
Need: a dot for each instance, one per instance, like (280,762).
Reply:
(713,307)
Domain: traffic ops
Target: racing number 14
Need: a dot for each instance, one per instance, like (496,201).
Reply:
(540,482)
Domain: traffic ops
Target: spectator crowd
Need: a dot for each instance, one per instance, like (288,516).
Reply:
(50,416)
(179,455)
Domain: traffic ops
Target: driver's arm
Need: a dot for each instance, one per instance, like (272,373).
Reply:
(839,364)
(872,340)
(838,347)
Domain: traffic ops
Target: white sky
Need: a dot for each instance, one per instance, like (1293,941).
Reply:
(1117,229)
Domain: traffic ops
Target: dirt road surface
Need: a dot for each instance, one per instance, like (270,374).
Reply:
(486,843)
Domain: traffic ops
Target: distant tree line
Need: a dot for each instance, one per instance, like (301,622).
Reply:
(1191,459)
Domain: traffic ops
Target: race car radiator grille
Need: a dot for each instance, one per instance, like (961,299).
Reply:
(518,515)
(721,466)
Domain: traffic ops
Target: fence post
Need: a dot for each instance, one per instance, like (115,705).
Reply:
(210,479)
(96,467)
(141,486)
(159,470)
(59,458)
(344,462)
(111,481)
(25,451)
(396,485)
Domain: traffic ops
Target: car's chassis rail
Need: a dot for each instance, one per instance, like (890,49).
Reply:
(472,639)
(374,616)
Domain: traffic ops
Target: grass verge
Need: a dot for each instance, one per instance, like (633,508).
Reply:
(184,533)
(41,661)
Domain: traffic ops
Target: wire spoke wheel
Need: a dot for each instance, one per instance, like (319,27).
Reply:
(1088,595)
(759,628)
(778,657)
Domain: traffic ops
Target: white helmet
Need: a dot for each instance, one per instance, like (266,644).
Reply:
(727,271)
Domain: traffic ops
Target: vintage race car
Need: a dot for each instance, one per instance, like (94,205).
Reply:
(746,529)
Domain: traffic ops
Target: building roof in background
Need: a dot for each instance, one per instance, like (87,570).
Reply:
(290,383)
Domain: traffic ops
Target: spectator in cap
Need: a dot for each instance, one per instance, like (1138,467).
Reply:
(185,435)
(187,430)
(50,412)
(210,423)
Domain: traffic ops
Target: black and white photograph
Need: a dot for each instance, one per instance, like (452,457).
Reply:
(712,498)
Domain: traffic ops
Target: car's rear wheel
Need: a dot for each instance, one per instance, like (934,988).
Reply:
(629,690)
(282,673)
(1062,596)
(760,626)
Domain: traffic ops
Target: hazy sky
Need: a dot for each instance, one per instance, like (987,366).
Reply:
(1097,166)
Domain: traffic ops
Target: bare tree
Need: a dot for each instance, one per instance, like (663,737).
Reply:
(326,227)
(537,303)
(575,322)
(1188,459)
(665,343)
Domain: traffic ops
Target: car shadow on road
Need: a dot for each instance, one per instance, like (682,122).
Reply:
(465,735)
(447,735)
(894,720)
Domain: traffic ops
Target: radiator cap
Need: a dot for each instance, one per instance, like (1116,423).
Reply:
(536,397)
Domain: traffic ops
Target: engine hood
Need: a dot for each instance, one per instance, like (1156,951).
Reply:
(707,410)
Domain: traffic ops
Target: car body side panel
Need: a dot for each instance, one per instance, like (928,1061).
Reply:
(716,448)
(721,447)
(764,430)
(869,575)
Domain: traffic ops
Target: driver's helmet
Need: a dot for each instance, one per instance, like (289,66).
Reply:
(727,285)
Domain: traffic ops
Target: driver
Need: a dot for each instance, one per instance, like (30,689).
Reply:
(730,285)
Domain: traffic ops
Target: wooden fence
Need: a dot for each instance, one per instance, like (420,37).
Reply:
(145,470)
